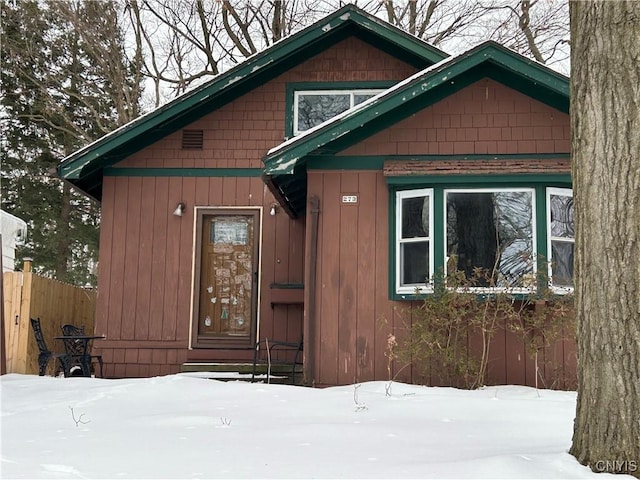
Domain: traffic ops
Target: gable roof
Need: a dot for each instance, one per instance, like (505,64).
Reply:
(489,59)
(84,168)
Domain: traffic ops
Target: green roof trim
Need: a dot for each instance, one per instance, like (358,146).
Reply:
(418,92)
(85,168)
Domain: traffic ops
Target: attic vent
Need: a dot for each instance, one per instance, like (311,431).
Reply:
(192,139)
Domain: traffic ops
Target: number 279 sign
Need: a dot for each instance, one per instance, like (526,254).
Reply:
(349,198)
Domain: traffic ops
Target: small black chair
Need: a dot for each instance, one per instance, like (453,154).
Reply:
(76,348)
(268,346)
(45,355)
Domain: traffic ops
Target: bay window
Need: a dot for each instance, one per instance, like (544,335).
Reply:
(496,236)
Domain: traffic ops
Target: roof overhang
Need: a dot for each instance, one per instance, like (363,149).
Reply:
(84,168)
(412,95)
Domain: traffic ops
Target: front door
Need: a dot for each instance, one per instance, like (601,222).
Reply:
(225,313)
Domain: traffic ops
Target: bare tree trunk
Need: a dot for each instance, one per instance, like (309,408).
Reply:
(605,124)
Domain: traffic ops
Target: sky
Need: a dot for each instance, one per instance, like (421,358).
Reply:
(187,426)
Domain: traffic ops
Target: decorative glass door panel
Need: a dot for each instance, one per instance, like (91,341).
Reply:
(228,279)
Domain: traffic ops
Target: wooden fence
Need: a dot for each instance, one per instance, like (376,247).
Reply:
(27,296)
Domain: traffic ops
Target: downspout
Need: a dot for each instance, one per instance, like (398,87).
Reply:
(309,326)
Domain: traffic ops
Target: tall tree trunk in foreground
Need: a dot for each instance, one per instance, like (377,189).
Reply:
(605,124)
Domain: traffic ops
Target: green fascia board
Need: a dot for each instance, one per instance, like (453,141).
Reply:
(417,92)
(227,86)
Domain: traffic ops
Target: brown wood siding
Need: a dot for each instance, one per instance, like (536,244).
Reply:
(151,258)
(354,315)
(484,118)
(146,263)
(239,134)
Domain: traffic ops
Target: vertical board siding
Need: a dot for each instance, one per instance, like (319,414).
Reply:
(160,209)
(131,257)
(366,322)
(347,281)
(146,255)
(117,263)
(145,258)
(354,315)
(154,258)
(172,261)
(384,314)
(185,272)
(105,254)
(329,265)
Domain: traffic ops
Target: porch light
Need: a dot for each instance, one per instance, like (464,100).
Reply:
(274,209)
(179,211)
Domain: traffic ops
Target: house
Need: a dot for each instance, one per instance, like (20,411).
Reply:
(310,191)
(14,232)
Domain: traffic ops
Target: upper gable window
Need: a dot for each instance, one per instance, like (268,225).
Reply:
(312,107)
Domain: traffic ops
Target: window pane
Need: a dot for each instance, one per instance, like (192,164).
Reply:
(491,231)
(561,208)
(315,109)
(358,98)
(415,217)
(414,262)
(562,264)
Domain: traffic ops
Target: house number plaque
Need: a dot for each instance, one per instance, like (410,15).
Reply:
(349,198)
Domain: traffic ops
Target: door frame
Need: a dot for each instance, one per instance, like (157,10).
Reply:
(226,343)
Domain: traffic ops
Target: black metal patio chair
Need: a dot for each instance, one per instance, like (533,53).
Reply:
(76,348)
(45,354)
(267,347)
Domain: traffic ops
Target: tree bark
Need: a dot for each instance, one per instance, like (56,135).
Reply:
(605,126)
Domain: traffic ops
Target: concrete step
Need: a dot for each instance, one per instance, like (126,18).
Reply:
(280,373)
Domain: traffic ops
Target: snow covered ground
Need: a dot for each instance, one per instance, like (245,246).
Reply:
(184,426)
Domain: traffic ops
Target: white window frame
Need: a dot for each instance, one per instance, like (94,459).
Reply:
(534,243)
(412,289)
(351,92)
(564,192)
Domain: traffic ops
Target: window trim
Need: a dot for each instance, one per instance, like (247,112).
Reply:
(413,289)
(293,87)
(565,192)
(534,229)
(351,92)
(538,183)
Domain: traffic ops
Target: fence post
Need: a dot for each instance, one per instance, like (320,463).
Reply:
(24,320)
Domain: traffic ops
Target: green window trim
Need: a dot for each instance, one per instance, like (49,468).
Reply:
(567,239)
(541,236)
(293,87)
